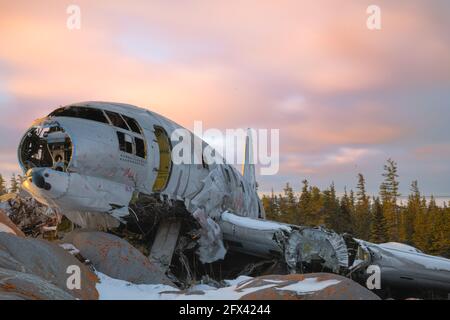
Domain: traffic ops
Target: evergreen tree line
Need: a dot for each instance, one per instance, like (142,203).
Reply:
(14,184)
(420,223)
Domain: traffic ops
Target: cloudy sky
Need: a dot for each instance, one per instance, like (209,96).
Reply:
(345,98)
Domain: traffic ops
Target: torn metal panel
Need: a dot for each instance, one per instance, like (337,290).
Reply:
(254,236)
(165,243)
(297,245)
(210,243)
(316,244)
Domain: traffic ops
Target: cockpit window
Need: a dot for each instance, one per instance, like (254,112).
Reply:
(132,124)
(116,120)
(80,112)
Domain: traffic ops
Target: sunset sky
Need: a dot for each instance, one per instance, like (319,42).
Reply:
(344,97)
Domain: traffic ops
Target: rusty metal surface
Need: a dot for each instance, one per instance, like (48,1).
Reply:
(344,289)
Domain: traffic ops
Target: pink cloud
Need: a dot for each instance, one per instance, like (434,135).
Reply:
(289,65)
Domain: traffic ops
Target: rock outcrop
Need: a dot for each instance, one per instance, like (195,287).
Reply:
(6,225)
(16,285)
(46,261)
(313,286)
(116,258)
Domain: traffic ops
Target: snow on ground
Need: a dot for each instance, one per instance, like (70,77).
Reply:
(70,248)
(309,285)
(114,289)
(256,224)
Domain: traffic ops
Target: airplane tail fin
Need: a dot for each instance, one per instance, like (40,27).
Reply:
(248,168)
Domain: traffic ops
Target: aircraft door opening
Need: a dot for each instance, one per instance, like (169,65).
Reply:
(165,160)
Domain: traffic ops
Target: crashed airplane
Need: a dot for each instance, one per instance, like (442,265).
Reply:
(105,165)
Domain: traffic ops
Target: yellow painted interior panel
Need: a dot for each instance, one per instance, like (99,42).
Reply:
(165,163)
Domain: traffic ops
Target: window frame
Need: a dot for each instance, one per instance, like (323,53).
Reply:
(120,116)
(134,148)
(79,110)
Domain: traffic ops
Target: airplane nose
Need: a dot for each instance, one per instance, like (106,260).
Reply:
(46,184)
(37,177)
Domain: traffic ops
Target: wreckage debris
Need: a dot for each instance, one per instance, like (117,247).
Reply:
(128,254)
(33,218)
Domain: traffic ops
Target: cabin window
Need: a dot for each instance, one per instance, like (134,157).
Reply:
(132,124)
(116,120)
(125,142)
(128,144)
(131,145)
(140,147)
(80,112)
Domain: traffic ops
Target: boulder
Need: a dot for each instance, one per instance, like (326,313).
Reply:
(116,258)
(6,225)
(47,261)
(16,285)
(313,286)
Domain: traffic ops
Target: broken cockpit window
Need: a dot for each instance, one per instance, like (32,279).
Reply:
(116,120)
(48,147)
(132,124)
(80,112)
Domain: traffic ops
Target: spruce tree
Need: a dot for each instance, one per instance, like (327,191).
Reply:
(362,217)
(389,195)
(422,228)
(268,207)
(14,185)
(413,208)
(2,186)
(378,233)
(316,217)
(304,205)
(344,215)
(439,230)
(290,203)
(331,208)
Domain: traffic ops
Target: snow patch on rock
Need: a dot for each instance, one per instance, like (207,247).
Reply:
(309,285)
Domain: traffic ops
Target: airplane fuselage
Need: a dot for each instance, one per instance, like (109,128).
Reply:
(89,160)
